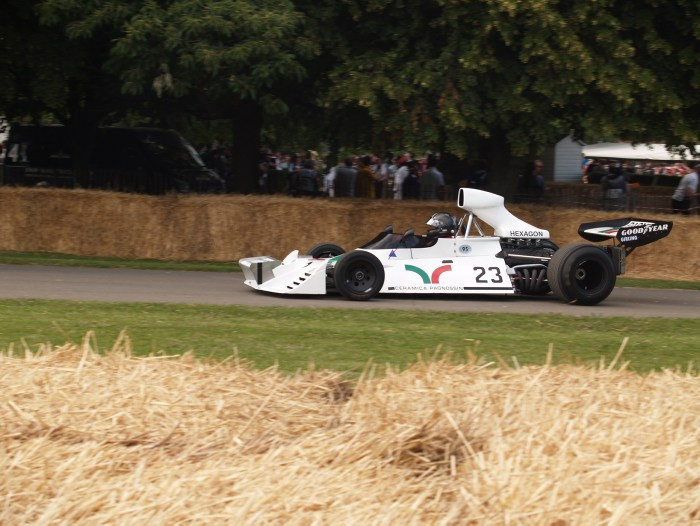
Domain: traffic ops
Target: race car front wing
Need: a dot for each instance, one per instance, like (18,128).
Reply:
(294,275)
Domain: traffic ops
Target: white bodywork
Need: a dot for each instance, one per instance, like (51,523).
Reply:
(491,209)
(461,264)
(452,266)
(297,274)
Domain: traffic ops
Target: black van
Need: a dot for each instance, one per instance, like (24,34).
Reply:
(143,160)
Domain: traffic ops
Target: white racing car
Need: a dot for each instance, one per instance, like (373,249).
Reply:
(459,258)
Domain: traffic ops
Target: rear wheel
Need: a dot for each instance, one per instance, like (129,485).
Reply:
(581,273)
(325,250)
(358,275)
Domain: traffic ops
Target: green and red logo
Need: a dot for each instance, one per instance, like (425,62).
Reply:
(434,277)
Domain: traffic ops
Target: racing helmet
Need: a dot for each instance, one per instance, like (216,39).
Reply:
(443,224)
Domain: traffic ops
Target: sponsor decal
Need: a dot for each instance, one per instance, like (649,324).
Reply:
(637,233)
(638,223)
(436,288)
(465,249)
(490,277)
(526,233)
(442,288)
(603,231)
(392,254)
(642,228)
(433,278)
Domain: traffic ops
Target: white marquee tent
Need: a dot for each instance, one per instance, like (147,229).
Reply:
(621,150)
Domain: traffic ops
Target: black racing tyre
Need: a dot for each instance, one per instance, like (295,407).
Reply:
(581,273)
(325,250)
(358,275)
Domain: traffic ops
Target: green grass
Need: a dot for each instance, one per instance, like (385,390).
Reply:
(346,340)
(68,260)
(657,284)
(338,339)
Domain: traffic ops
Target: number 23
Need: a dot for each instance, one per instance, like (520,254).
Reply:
(482,272)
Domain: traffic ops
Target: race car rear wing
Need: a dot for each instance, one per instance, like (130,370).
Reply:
(628,231)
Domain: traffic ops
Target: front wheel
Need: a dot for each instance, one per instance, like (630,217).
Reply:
(358,275)
(581,273)
(325,250)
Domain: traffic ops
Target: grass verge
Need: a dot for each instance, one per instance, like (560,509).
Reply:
(346,340)
(68,260)
(657,284)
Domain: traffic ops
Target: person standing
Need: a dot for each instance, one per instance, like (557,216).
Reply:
(365,179)
(263,178)
(393,166)
(345,177)
(329,182)
(411,183)
(685,191)
(399,178)
(614,189)
(531,185)
(382,173)
(479,176)
(307,179)
(293,168)
(432,182)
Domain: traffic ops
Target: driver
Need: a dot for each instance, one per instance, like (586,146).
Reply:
(444,225)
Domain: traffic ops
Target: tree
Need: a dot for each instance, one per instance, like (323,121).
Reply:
(47,75)
(212,58)
(487,79)
(229,58)
(509,77)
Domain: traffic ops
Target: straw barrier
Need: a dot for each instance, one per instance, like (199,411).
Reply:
(228,227)
(87,438)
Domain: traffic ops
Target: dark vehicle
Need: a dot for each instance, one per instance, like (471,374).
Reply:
(142,160)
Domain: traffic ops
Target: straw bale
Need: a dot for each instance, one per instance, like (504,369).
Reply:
(110,438)
(229,227)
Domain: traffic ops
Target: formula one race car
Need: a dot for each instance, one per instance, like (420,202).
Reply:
(459,258)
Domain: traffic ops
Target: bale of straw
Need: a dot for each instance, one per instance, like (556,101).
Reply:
(229,227)
(87,438)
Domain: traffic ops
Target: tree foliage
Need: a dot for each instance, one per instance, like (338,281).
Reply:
(446,72)
(457,76)
(46,74)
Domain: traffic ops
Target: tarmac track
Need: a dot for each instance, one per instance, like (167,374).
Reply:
(220,288)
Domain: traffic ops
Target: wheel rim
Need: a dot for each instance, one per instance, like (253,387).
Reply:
(359,278)
(588,275)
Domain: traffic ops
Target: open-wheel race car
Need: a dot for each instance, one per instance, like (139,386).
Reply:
(457,257)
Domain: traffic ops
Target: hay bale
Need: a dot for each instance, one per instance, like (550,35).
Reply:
(89,438)
(229,227)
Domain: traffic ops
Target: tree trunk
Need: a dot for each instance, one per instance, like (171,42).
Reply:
(82,130)
(503,168)
(247,124)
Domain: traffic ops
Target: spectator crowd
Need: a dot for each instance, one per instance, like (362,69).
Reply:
(404,177)
(615,179)
(594,170)
(369,176)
